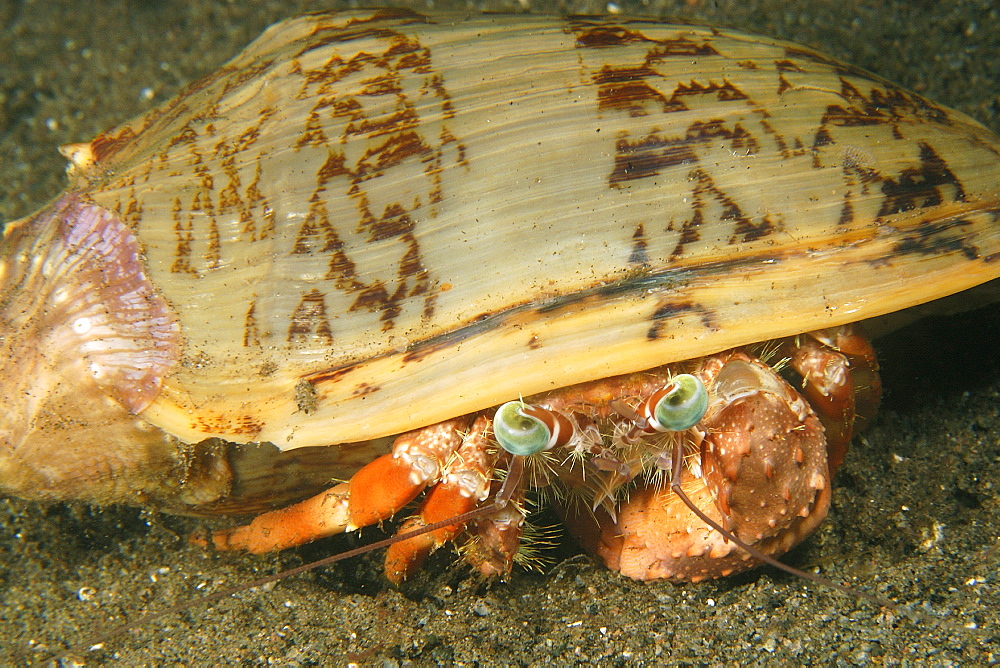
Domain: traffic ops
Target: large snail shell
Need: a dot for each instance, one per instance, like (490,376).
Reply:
(367,223)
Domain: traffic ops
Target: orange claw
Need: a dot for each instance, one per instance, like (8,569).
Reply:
(377,491)
(405,558)
(464,484)
(380,490)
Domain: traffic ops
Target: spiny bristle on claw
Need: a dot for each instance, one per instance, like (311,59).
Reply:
(768,351)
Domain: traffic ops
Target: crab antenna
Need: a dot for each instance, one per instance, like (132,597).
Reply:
(510,483)
(675,487)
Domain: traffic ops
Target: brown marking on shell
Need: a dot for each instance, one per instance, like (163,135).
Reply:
(820,139)
(650,155)
(239,428)
(309,325)
(330,376)
(783,85)
(779,140)
(395,221)
(921,186)
(622,89)
(313,134)
(670,310)
(680,47)
(356,30)
(935,239)
(639,254)
(600,37)
(317,234)
(886,105)
(364,389)
(104,146)
(364,124)
(786,65)
(847,211)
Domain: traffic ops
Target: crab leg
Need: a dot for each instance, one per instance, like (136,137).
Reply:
(376,492)
(464,484)
(839,369)
(496,538)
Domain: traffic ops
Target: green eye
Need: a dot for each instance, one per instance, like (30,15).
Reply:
(519,433)
(680,405)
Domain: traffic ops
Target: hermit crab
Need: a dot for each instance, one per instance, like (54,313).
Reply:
(625,253)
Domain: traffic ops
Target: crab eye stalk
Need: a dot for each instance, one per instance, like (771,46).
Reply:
(676,407)
(523,429)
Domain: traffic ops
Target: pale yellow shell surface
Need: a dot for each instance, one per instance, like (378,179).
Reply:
(368,223)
